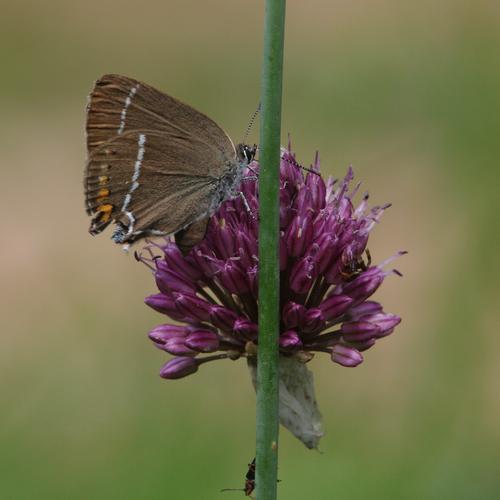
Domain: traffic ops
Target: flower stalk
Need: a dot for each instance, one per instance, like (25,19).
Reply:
(269,278)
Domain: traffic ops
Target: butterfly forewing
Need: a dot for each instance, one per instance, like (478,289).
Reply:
(119,104)
(155,164)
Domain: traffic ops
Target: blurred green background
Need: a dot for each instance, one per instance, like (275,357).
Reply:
(409,92)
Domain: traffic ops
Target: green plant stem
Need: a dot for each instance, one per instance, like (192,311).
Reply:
(269,157)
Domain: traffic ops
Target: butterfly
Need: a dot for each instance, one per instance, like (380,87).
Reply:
(155,165)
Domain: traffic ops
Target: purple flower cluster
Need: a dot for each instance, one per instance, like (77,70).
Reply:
(326,280)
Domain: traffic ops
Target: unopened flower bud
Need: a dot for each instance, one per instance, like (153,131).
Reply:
(302,275)
(359,331)
(293,314)
(246,328)
(222,317)
(365,308)
(202,341)
(192,307)
(364,285)
(177,347)
(179,367)
(177,262)
(298,236)
(169,280)
(335,305)
(346,356)
(161,333)
(314,321)
(233,277)
(290,339)
(163,304)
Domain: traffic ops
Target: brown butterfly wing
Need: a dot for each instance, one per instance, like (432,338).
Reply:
(185,155)
(187,238)
(118,104)
(151,183)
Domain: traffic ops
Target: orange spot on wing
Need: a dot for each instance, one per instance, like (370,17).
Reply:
(105,208)
(105,217)
(105,211)
(102,195)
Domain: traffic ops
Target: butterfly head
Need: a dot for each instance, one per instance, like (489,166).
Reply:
(246,153)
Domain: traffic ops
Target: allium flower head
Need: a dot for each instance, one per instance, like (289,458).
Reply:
(327,279)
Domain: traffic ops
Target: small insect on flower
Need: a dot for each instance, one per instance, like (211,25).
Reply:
(354,267)
(249,481)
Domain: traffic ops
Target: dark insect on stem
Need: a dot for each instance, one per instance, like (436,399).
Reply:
(354,267)
(249,481)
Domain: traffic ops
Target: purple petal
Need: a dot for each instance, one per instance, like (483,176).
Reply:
(365,308)
(314,321)
(177,262)
(363,346)
(317,187)
(207,265)
(179,367)
(289,171)
(293,315)
(192,307)
(177,347)
(253,280)
(302,275)
(247,248)
(161,333)
(359,331)
(286,212)
(365,284)
(299,235)
(163,304)
(290,339)
(169,280)
(233,278)
(202,341)
(327,250)
(303,201)
(335,305)
(386,322)
(222,318)
(346,356)
(245,328)
(224,240)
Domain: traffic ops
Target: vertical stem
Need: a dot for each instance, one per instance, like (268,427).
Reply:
(267,361)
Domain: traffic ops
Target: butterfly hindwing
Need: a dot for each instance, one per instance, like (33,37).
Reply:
(149,183)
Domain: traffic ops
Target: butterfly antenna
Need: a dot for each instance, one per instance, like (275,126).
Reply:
(250,123)
(295,163)
(232,489)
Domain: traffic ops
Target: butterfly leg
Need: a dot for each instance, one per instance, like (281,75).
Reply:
(254,172)
(247,206)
